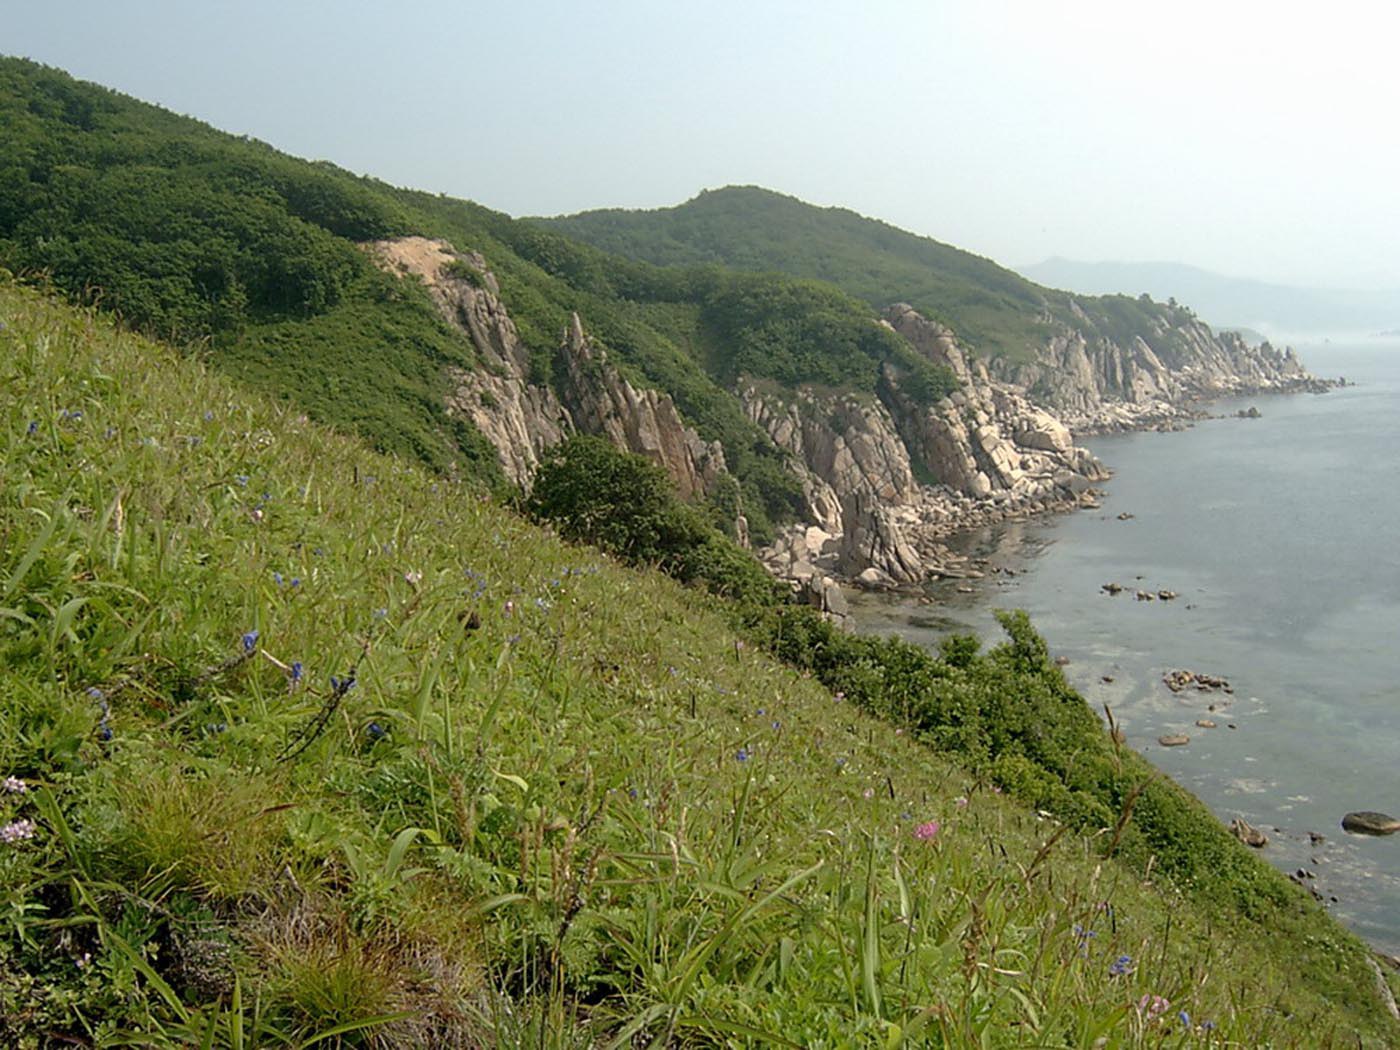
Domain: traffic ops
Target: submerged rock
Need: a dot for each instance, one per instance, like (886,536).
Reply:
(1369,822)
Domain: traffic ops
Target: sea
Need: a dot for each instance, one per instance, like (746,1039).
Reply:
(1281,537)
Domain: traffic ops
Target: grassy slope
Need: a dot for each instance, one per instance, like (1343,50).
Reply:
(995,311)
(592,856)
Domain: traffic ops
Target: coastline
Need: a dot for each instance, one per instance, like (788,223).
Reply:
(1302,739)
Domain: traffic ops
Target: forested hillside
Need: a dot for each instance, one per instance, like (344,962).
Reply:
(994,311)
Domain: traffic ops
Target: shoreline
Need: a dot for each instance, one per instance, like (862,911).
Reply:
(809,558)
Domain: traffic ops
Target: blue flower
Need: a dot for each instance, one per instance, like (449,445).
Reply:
(241,479)
(104,731)
(341,686)
(296,670)
(94,692)
(277,578)
(250,640)
(296,582)
(1184,1018)
(1121,966)
(379,614)
(742,755)
(375,731)
(33,427)
(208,417)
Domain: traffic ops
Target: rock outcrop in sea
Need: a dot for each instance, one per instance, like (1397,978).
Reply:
(886,478)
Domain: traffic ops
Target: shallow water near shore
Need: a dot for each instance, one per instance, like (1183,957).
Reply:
(1279,536)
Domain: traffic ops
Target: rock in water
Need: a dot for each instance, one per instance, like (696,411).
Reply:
(1248,833)
(1369,822)
(1174,740)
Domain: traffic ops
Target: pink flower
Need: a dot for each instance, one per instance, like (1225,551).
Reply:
(960,801)
(1154,1006)
(17,831)
(868,793)
(927,831)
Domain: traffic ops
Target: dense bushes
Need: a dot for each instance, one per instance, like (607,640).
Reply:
(593,493)
(1010,715)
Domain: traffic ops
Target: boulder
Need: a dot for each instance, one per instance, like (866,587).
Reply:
(1248,833)
(1174,740)
(1369,822)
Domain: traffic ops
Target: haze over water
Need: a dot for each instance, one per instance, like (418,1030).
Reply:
(1279,534)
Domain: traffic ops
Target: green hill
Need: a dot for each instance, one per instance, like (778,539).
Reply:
(994,311)
(310,745)
(193,234)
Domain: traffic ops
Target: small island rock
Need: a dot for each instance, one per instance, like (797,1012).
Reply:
(1174,740)
(1369,822)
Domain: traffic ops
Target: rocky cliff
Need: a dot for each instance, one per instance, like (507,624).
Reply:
(521,416)
(1106,382)
(887,479)
(886,476)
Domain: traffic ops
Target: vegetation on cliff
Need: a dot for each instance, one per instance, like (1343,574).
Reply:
(994,311)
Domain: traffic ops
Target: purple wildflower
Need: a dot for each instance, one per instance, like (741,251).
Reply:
(1121,966)
(33,427)
(14,786)
(250,640)
(742,755)
(296,671)
(1154,1006)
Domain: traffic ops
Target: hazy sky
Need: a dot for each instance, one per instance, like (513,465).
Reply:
(1256,139)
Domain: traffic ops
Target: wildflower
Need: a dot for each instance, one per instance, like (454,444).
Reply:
(208,416)
(219,727)
(1184,1018)
(414,578)
(241,480)
(960,802)
(277,578)
(927,831)
(250,641)
(513,639)
(375,731)
(17,831)
(762,711)
(838,696)
(296,671)
(379,614)
(1207,1026)
(841,762)
(1154,1006)
(1121,966)
(94,692)
(33,427)
(104,731)
(14,786)
(341,686)
(295,582)
(542,605)
(742,755)
(777,726)
(868,794)
(509,607)
(257,514)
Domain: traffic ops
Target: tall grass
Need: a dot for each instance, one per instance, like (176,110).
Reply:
(313,748)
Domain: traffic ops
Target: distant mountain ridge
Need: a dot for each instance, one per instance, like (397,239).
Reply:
(1229,302)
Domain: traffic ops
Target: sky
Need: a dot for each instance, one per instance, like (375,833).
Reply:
(1253,139)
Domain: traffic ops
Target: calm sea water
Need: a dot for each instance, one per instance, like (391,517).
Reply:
(1280,536)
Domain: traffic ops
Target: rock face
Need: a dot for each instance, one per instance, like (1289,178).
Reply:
(888,479)
(522,418)
(1113,383)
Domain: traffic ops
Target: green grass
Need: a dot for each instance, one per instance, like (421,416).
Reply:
(562,805)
